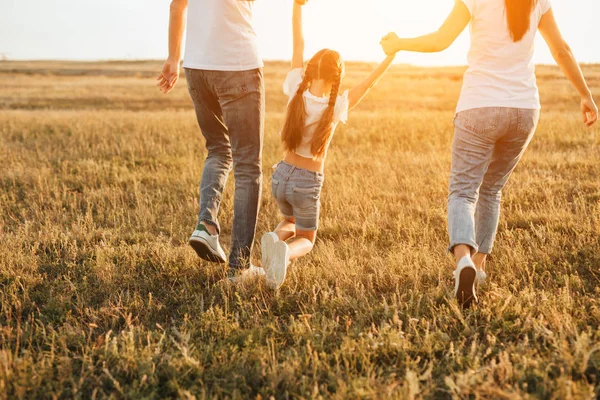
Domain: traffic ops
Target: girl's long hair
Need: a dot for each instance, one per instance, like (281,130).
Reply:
(328,65)
(518,14)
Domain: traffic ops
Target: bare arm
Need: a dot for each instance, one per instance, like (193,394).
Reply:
(298,54)
(434,42)
(358,93)
(170,73)
(568,64)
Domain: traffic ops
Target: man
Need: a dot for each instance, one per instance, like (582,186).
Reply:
(225,79)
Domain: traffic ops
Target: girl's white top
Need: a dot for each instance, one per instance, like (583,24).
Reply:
(501,72)
(314,107)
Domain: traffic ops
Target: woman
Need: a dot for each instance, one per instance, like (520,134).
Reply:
(496,118)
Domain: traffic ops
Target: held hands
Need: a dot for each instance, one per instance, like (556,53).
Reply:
(301,2)
(589,111)
(389,43)
(169,76)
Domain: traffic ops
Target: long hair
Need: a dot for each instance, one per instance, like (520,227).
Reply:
(518,14)
(327,65)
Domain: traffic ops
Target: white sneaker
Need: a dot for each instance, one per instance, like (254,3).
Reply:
(465,276)
(249,273)
(254,271)
(207,246)
(481,277)
(276,269)
(267,243)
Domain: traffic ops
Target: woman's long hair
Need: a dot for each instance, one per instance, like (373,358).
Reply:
(518,14)
(328,65)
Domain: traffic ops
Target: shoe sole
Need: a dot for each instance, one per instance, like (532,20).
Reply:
(204,251)
(267,244)
(277,268)
(466,291)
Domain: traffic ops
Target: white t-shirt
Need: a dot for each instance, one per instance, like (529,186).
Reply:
(501,72)
(314,107)
(220,36)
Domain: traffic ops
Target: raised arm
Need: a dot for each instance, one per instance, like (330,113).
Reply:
(298,54)
(359,92)
(568,64)
(434,42)
(170,72)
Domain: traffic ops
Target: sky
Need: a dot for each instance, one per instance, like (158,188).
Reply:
(137,29)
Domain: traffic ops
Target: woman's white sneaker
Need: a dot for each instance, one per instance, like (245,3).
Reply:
(465,276)
(481,277)
(276,268)
(207,246)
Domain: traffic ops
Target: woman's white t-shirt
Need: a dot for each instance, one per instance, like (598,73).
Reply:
(315,107)
(501,72)
(220,36)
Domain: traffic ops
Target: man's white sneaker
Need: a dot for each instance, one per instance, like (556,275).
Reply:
(276,269)
(267,243)
(249,273)
(464,282)
(207,246)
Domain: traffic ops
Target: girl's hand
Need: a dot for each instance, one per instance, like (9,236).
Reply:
(589,111)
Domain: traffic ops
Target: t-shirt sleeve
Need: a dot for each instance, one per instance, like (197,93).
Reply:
(545,5)
(292,81)
(340,112)
(470,5)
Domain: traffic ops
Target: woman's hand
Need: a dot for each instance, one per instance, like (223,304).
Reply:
(389,43)
(169,76)
(589,110)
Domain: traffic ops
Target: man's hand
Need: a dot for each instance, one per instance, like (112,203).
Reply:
(169,76)
(589,110)
(389,43)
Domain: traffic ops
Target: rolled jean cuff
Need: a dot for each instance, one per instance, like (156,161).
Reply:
(485,249)
(467,242)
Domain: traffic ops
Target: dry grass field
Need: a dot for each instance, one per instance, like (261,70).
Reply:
(100,296)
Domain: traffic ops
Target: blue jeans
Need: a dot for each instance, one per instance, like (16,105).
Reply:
(230,108)
(488,145)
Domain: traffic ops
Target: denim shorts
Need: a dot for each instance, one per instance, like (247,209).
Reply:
(297,192)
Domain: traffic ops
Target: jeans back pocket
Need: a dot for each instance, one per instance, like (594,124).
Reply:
(479,120)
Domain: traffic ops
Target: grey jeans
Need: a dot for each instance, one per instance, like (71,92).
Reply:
(488,145)
(230,108)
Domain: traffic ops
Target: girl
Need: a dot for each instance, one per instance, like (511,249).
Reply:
(314,110)
(496,118)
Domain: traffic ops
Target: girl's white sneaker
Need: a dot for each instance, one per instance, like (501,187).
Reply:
(267,244)
(276,268)
(465,277)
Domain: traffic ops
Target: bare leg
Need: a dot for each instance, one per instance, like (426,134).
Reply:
(286,229)
(212,230)
(461,251)
(479,260)
(302,244)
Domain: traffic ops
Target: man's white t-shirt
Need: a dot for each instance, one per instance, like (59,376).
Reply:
(501,72)
(220,36)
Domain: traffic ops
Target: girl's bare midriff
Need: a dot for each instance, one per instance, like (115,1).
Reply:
(304,162)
